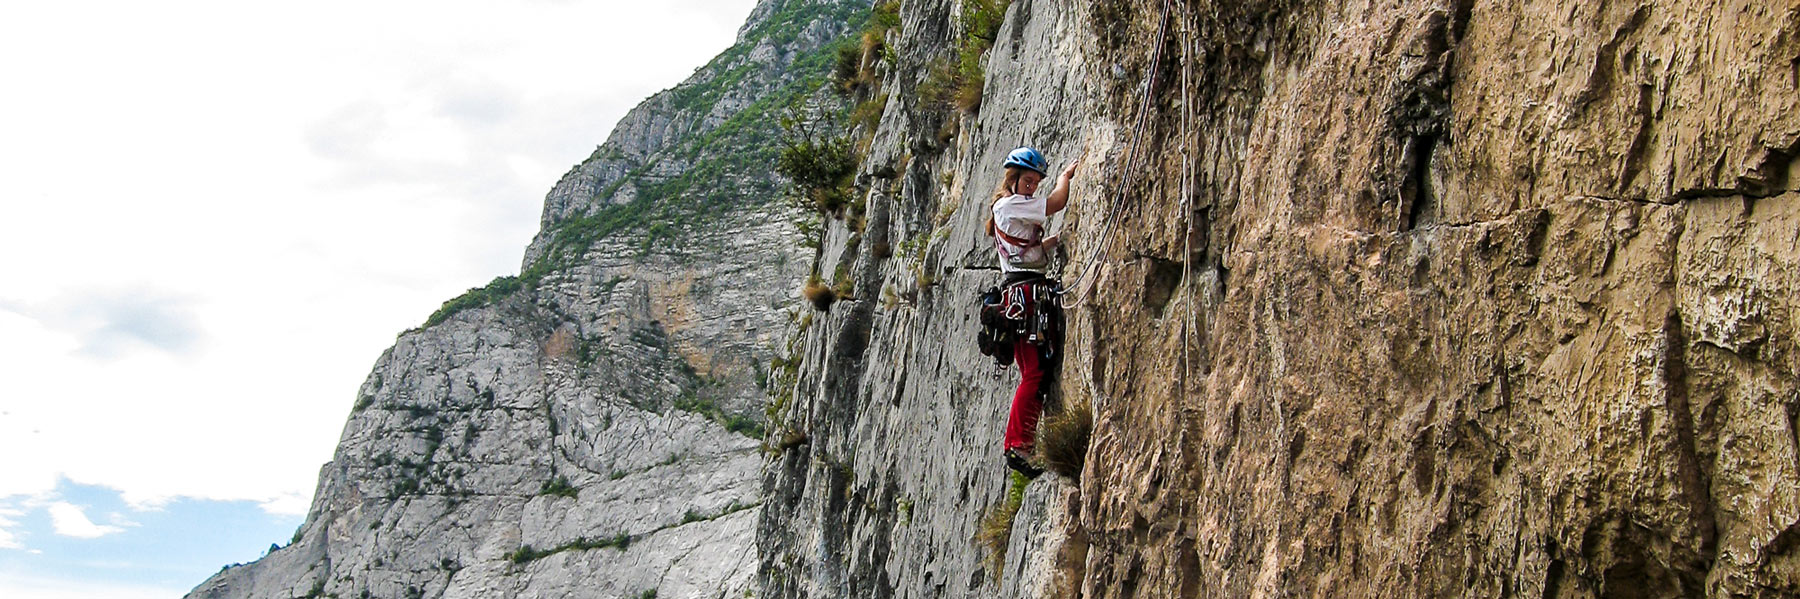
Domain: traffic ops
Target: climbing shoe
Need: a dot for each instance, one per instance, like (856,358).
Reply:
(1021,465)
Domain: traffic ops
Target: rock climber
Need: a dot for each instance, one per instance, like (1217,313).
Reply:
(1017,226)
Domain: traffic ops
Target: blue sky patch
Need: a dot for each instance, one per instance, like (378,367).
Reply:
(176,545)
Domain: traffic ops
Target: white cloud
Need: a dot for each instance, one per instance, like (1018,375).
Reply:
(68,520)
(8,538)
(290,504)
(112,322)
(237,206)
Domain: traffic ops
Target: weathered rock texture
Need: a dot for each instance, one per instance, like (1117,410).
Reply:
(1403,299)
(902,414)
(590,428)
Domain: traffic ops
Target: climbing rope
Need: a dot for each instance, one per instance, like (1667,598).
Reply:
(1131,163)
(1188,144)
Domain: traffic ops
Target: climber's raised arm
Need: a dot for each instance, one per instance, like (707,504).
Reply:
(1059,197)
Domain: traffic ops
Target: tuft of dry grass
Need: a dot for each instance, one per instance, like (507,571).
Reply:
(867,115)
(968,92)
(845,287)
(794,438)
(945,212)
(924,279)
(821,296)
(948,131)
(1062,439)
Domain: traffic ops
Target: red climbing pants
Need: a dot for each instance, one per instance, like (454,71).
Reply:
(1021,422)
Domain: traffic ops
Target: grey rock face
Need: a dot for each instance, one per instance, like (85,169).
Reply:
(660,140)
(904,416)
(592,428)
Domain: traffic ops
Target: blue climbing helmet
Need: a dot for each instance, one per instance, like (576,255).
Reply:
(1027,157)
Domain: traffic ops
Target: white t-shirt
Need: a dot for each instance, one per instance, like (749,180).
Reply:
(1023,218)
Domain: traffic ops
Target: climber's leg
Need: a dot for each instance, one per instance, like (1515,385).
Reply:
(1021,422)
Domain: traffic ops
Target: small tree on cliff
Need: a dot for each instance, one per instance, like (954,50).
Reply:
(818,161)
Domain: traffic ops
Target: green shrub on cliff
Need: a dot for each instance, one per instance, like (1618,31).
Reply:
(819,164)
(477,297)
(981,25)
(560,487)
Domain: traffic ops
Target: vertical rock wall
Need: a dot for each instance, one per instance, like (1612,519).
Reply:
(902,417)
(1467,300)
(1403,299)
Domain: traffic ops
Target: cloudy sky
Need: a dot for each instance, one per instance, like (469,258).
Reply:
(214,216)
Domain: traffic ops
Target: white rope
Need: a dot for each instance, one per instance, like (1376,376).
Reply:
(1131,162)
(1187,212)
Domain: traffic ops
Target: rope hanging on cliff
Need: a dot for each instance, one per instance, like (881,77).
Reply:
(1188,145)
(1131,162)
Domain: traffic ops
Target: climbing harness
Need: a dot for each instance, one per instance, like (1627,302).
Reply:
(1020,310)
(1015,250)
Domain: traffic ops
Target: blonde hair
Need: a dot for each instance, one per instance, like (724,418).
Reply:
(1008,185)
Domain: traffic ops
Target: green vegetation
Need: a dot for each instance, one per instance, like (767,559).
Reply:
(692,516)
(478,297)
(526,553)
(743,425)
(841,283)
(957,81)
(783,377)
(923,278)
(819,164)
(890,299)
(867,114)
(981,24)
(587,351)
(560,487)
(858,65)
(783,374)
(996,526)
(411,476)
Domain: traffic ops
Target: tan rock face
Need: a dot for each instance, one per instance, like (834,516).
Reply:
(1480,300)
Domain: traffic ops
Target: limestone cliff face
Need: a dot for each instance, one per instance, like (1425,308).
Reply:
(591,427)
(1397,299)
(903,416)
